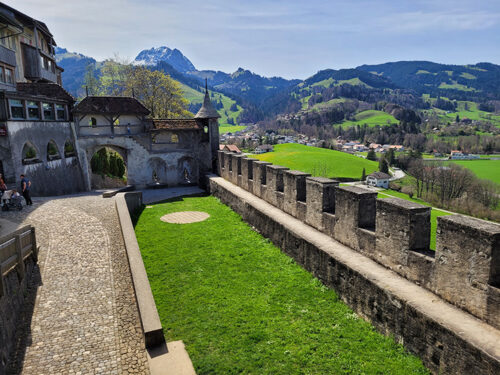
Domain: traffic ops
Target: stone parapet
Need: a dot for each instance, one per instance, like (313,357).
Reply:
(464,270)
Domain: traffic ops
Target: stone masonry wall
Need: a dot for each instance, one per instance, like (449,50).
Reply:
(447,339)
(464,269)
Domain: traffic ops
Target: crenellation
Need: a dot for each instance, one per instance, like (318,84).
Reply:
(220,163)
(228,165)
(396,234)
(260,178)
(355,208)
(467,265)
(294,189)
(402,227)
(275,187)
(464,270)
(247,173)
(320,197)
(237,169)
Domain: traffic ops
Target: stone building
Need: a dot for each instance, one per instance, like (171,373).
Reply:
(36,132)
(39,138)
(156,151)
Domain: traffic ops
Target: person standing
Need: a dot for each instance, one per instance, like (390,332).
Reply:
(25,188)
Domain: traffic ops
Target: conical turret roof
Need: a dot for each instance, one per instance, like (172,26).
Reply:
(207,110)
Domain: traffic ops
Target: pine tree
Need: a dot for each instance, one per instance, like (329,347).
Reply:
(383,166)
(363,175)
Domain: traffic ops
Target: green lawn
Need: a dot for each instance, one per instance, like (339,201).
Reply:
(319,161)
(434,212)
(242,306)
(486,169)
(371,118)
(230,128)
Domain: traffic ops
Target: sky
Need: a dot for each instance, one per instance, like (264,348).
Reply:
(291,39)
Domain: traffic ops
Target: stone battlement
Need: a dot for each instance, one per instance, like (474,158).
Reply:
(464,270)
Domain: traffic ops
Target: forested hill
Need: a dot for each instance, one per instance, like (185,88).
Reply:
(480,81)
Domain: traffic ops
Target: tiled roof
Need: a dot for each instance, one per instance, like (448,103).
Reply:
(380,175)
(49,90)
(233,148)
(176,124)
(124,105)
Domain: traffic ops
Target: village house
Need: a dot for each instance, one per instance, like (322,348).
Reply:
(230,148)
(263,149)
(378,179)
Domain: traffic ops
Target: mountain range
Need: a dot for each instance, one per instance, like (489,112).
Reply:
(261,97)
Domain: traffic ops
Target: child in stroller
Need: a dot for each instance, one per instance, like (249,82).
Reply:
(11,200)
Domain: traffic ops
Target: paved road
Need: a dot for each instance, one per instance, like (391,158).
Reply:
(85,319)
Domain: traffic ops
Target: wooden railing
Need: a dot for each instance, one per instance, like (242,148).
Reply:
(15,248)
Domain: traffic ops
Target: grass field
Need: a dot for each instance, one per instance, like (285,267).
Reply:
(194,96)
(434,212)
(486,169)
(319,161)
(242,306)
(230,128)
(371,118)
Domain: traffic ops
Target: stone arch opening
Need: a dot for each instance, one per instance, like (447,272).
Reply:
(29,154)
(158,169)
(187,170)
(108,167)
(52,151)
(69,149)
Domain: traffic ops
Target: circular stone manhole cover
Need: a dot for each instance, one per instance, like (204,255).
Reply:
(185,217)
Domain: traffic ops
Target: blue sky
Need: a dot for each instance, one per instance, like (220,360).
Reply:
(293,39)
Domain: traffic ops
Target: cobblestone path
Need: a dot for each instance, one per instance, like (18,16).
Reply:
(84,318)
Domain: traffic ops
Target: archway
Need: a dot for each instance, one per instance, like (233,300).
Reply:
(69,149)
(52,151)
(108,167)
(29,154)
(158,168)
(187,171)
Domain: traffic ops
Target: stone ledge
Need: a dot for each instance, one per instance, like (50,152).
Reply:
(150,320)
(447,339)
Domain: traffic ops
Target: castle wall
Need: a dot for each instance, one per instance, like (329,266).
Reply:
(464,270)
(48,177)
(448,340)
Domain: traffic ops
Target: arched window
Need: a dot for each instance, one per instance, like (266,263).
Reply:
(29,154)
(92,121)
(69,149)
(52,151)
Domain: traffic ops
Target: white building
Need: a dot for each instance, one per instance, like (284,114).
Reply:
(378,179)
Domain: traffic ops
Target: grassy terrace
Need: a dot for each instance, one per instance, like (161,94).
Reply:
(319,161)
(244,307)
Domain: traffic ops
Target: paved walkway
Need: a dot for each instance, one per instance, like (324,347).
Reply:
(84,318)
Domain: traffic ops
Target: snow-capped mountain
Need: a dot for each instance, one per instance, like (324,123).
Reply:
(173,57)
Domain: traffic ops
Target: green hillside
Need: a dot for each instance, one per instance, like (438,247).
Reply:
(371,118)
(319,161)
(194,96)
(465,109)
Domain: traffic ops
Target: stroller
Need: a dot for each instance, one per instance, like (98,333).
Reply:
(11,202)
